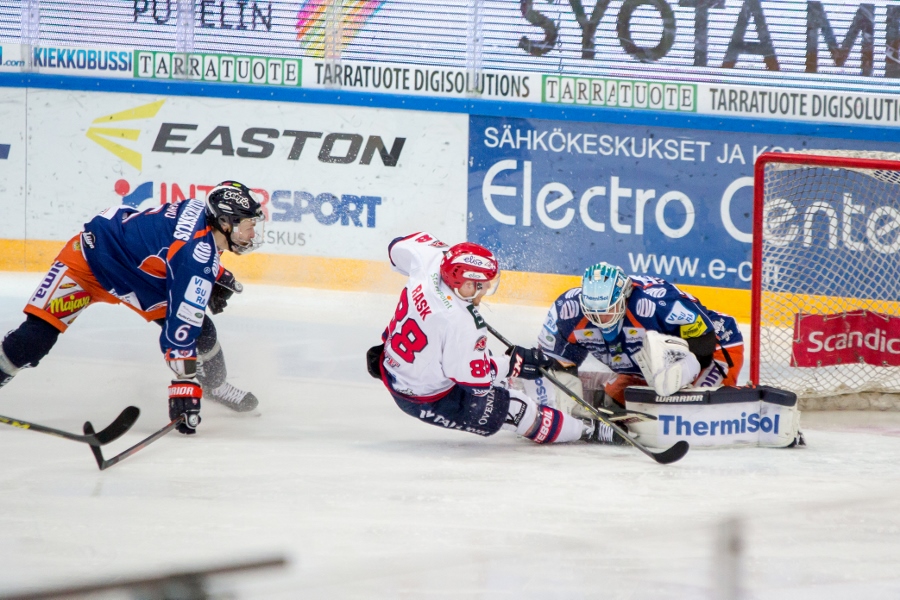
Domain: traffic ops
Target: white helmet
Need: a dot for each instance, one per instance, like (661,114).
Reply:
(604,290)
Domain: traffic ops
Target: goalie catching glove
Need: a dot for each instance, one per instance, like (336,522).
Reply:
(526,363)
(667,363)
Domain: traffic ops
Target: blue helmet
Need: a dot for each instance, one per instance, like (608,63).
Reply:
(604,290)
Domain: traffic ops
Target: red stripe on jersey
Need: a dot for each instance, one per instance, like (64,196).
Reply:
(473,385)
(582,324)
(634,322)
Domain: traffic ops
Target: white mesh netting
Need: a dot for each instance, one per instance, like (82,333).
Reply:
(831,237)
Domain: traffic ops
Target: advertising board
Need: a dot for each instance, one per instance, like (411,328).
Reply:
(12,165)
(335,181)
(558,196)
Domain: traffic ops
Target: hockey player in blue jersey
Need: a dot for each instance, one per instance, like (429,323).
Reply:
(163,263)
(646,330)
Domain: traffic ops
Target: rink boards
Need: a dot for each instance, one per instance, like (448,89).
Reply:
(550,191)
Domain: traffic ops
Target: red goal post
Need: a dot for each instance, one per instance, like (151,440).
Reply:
(826,275)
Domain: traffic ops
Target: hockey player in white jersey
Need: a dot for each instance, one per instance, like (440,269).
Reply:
(435,361)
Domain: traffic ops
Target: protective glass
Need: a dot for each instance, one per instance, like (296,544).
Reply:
(481,288)
(248,235)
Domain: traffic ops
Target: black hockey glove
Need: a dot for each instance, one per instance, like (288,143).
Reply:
(184,399)
(526,363)
(373,360)
(225,287)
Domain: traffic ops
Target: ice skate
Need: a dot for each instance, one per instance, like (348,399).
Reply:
(799,441)
(597,432)
(234,398)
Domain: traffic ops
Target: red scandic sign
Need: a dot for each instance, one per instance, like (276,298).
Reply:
(846,338)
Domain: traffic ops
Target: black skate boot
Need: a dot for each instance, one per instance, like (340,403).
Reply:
(7,369)
(234,398)
(799,441)
(597,432)
(4,378)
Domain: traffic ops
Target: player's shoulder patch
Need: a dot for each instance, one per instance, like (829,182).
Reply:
(481,344)
(644,307)
(695,329)
(569,309)
(680,314)
(203,251)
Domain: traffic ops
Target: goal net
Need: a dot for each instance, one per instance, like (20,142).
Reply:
(826,276)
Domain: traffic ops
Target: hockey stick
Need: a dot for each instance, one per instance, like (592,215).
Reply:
(670,455)
(106,463)
(113,431)
(612,415)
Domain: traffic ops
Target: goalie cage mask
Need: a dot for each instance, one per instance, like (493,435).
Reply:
(604,290)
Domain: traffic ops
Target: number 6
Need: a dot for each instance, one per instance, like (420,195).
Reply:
(182,333)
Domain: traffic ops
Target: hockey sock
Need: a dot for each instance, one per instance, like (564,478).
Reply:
(27,345)
(541,424)
(212,372)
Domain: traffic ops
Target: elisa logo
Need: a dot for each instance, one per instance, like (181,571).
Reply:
(105,136)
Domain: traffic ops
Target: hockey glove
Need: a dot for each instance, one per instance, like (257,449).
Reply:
(526,363)
(184,399)
(225,287)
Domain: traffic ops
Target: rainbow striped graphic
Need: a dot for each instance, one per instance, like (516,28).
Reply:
(311,22)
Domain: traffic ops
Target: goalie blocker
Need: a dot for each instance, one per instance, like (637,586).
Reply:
(726,417)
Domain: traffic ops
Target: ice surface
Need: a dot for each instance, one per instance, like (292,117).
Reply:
(367,502)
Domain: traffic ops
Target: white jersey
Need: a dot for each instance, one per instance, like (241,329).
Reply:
(435,340)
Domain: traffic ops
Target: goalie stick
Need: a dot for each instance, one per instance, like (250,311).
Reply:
(112,432)
(670,455)
(106,463)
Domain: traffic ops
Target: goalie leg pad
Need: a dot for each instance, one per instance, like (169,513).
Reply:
(724,417)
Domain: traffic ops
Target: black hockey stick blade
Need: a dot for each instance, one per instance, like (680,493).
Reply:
(113,431)
(119,427)
(675,453)
(106,463)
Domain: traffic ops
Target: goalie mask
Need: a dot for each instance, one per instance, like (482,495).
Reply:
(231,203)
(604,291)
(470,262)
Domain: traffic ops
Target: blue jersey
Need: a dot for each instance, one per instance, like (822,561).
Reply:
(163,259)
(568,336)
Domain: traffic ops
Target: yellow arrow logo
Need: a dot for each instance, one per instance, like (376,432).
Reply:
(105,135)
